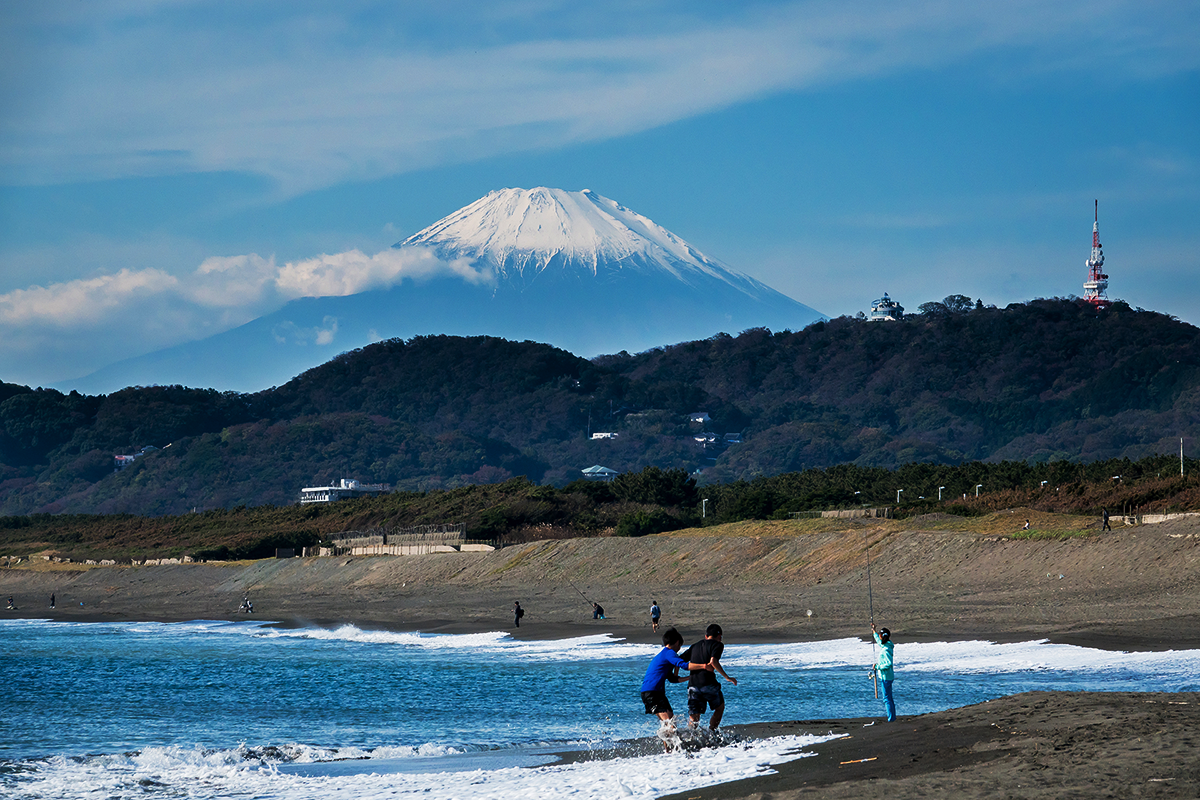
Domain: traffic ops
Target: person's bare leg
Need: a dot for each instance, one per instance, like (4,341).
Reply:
(718,711)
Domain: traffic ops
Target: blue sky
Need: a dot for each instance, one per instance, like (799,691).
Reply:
(161,162)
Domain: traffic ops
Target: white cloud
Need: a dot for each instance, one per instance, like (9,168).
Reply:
(102,299)
(81,325)
(310,96)
(290,333)
(232,280)
(353,272)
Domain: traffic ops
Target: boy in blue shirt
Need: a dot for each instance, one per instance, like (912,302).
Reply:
(665,667)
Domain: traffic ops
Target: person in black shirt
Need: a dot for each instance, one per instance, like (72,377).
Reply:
(704,691)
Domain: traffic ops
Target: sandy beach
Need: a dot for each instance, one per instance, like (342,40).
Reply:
(1133,589)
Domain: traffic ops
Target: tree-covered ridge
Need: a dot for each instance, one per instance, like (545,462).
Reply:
(1043,381)
(1048,379)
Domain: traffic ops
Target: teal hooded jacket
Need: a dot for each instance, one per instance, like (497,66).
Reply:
(884,663)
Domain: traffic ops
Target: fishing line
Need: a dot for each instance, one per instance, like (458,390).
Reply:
(871,604)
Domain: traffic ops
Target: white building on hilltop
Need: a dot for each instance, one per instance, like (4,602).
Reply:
(344,490)
(885,309)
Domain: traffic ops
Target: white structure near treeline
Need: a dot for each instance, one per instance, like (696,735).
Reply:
(605,435)
(885,309)
(343,490)
(415,541)
(599,473)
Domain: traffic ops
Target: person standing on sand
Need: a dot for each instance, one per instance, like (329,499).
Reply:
(52,600)
(665,667)
(704,691)
(518,612)
(655,613)
(883,666)
(1104,519)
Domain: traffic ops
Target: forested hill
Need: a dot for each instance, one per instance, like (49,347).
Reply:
(1049,379)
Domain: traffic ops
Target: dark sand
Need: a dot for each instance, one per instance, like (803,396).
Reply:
(1038,744)
(1134,589)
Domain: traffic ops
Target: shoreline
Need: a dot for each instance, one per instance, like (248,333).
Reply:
(1155,635)
(1133,589)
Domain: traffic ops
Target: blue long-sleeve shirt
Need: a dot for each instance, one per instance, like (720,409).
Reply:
(884,663)
(660,667)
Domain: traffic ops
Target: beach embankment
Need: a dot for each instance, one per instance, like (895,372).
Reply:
(931,579)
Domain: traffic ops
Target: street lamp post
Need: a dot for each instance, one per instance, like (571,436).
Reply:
(978,486)
(940,493)
(898,491)
(704,508)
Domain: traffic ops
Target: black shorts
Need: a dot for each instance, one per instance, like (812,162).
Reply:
(656,702)
(700,698)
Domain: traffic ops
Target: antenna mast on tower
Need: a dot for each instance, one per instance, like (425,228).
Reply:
(1094,291)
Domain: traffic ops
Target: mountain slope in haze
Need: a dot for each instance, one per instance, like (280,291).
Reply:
(572,269)
(1045,381)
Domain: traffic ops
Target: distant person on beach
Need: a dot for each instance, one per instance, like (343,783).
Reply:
(704,691)
(655,613)
(664,667)
(597,611)
(518,612)
(52,601)
(1026,527)
(883,666)
(1104,519)
(10,603)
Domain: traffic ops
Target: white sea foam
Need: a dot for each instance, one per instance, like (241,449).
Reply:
(201,774)
(971,657)
(965,658)
(597,646)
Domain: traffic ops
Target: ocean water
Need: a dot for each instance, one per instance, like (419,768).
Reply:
(236,709)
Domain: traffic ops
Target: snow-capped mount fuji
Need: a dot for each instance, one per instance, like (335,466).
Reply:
(572,269)
(522,236)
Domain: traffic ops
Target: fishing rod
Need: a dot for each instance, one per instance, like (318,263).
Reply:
(871,604)
(581,594)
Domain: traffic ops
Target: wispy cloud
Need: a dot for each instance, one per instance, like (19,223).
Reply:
(353,272)
(312,95)
(86,323)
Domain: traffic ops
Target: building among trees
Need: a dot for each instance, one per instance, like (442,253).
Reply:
(343,490)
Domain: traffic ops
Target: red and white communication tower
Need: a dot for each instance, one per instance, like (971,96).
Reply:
(1097,282)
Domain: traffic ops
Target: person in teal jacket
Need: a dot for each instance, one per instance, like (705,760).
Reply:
(883,666)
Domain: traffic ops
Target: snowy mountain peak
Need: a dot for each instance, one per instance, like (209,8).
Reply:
(520,233)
